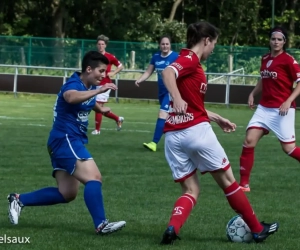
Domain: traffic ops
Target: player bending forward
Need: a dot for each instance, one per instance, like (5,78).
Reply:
(191,144)
(71,161)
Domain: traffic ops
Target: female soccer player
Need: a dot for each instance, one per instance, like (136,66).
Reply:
(71,161)
(159,62)
(276,109)
(103,97)
(191,144)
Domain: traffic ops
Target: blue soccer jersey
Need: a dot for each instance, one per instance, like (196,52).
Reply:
(160,63)
(72,119)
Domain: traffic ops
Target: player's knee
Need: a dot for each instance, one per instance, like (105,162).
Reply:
(194,191)
(250,142)
(96,177)
(287,148)
(69,195)
(93,177)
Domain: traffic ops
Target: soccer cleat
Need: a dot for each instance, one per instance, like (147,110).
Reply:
(110,227)
(266,232)
(169,236)
(119,123)
(95,132)
(14,208)
(151,146)
(245,188)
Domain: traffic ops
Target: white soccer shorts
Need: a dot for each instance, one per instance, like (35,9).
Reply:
(269,119)
(194,148)
(103,97)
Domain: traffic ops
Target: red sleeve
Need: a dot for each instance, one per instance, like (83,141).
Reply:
(115,61)
(185,65)
(294,69)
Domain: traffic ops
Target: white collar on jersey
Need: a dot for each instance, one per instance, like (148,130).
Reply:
(167,54)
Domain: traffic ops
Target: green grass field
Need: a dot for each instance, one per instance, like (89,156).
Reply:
(137,184)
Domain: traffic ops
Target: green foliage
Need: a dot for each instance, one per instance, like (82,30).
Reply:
(241,22)
(138,23)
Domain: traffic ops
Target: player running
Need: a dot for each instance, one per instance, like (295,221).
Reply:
(71,161)
(103,97)
(276,109)
(191,144)
(159,62)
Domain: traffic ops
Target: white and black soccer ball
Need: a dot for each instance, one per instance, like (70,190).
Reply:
(238,231)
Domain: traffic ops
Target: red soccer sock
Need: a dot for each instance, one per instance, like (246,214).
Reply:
(295,153)
(246,164)
(98,120)
(182,209)
(111,115)
(240,204)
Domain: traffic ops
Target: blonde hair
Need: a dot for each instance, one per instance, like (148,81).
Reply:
(103,38)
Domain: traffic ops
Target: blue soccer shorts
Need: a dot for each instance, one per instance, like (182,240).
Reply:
(64,152)
(164,101)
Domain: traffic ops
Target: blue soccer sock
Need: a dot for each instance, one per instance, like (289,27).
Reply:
(159,129)
(94,201)
(42,197)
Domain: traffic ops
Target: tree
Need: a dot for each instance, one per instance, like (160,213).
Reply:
(173,10)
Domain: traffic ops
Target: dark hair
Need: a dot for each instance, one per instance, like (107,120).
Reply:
(162,37)
(199,30)
(103,38)
(93,59)
(281,30)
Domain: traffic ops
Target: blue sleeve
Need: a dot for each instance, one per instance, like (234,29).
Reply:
(70,85)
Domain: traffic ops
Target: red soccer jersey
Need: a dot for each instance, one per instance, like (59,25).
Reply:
(112,61)
(278,75)
(192,85)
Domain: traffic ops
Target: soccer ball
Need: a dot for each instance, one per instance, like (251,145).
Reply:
(238,231)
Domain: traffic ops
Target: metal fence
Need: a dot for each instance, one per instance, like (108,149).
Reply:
(227,79)
(67,53)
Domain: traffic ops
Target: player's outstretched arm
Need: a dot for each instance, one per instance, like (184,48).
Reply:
(74,96)
(146,75)
(226,125)
(214,117)
(284,107)
(101,109)
(295,93)
(257,89)
(116,71)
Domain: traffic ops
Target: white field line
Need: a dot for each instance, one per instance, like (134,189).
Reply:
(113,129)
(28,106)
(19,118)
(106,120)
(108,129)
(136,130)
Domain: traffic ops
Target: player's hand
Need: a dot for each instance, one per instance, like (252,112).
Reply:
(105,110)
(106,87)
(226,125)
(251,101)
(284,108)
(110,74)
(179,106)
(137,83)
